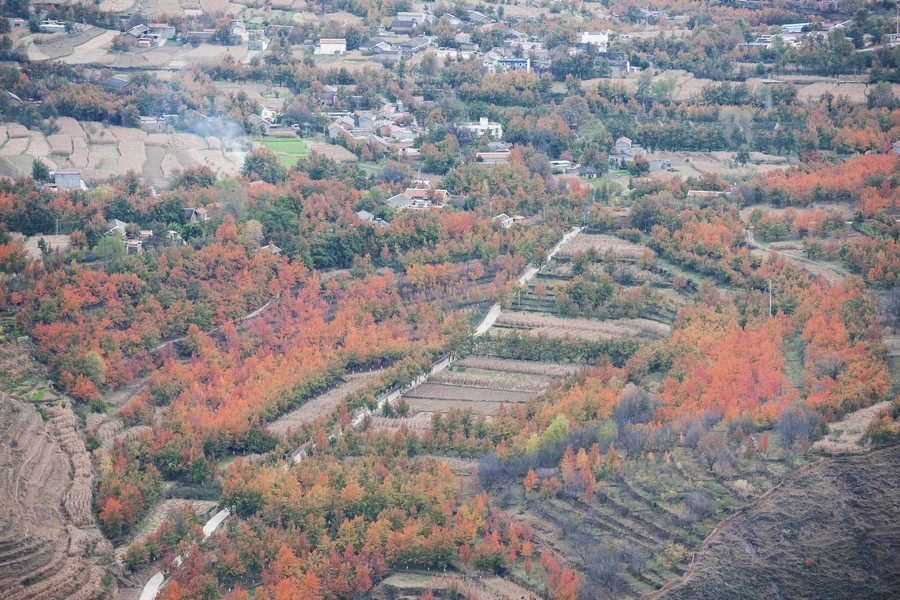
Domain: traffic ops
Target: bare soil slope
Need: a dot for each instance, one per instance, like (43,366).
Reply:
(49,543)
(832,530)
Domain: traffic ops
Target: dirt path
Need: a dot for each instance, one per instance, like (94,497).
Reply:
(833,275)
(122,396)
(528,275)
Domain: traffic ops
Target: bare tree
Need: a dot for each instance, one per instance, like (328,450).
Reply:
(797,423)
(889,308)
(712,450)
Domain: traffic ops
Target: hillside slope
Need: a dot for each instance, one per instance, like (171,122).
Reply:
(48,539)
(830,531)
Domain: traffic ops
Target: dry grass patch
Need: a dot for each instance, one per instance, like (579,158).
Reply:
(127,134)
(492,380)
(70,127)
(133,157)
(547,369)
(848,434)
(60,144)
(413,585)
(38,145)
(101,135)
(587,329)
(602,244)
(428,405)
(331,151)
(417,423)
(323,403)
(103,158)
(80,156)
(15,146)
(53,242)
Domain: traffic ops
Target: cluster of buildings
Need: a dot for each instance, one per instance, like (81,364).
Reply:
(390,129)
(236,33)
(404,37)
(792,34)
(626,151)
(146,36)
(420,198)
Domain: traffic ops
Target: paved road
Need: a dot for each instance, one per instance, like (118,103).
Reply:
(151,589)
(494,313)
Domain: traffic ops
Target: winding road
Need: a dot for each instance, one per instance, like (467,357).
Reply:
(494,313)
(154,585)
(151,589)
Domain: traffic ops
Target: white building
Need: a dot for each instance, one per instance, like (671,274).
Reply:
(595,38)
(416,17)
(331,46)
(484,127)
(50,26)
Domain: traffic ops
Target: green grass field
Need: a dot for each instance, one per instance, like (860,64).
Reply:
(288,150)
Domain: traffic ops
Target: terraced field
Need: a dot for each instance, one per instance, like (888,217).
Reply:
(476,383)
(437,397)
(830,531)
(639,529)
(588,329)
(49,544)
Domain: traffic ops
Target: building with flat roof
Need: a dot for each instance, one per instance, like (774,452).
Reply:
(331,46)
(68,179)
(484,127)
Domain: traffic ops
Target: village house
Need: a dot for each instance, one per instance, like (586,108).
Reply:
(117,227)
(598,39)
(201,36)
(239,33)
(408,154)
(271,248)
(504,220)
(368,217)
(50,26)
(331,46)
(68,179)
(116,82)
(489,159)
(163,31)
(259,44)
(137,32)
(416,17)
(484,127)
(418,199)
(583,172)
(415,45)
(403,26)
(195,215)
(626,151)
(479,18)
(134,246)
